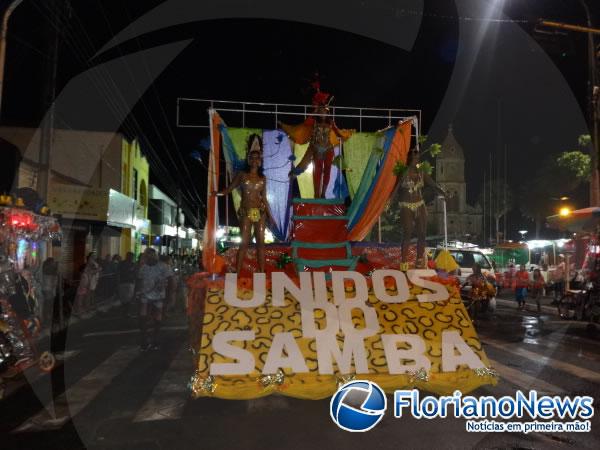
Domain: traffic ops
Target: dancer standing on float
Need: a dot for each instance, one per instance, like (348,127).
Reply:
(413,211)
(322,135)
(254,208)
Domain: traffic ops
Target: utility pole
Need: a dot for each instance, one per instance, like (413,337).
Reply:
(177,221)
(3,32)
(47,131)
(593,94)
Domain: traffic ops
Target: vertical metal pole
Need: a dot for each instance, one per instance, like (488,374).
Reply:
(360,119)
(3,32)
(484,211)
(227,205)
(567,273)
(491,182)
(505,194)
(47,131)
(592,106)
(61,304)
(213,169)
(445,223)
(177,221)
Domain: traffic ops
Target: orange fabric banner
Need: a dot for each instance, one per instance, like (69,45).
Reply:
(209,252)
(385,183)
(301,133)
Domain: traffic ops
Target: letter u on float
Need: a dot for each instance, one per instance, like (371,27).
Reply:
(259,289)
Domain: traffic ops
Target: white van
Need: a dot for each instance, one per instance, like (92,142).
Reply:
(466,257)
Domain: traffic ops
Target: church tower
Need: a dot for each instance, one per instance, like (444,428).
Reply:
(463,220)
(450,173)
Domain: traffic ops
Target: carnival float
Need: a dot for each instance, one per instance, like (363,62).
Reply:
(322,306)
(24,226)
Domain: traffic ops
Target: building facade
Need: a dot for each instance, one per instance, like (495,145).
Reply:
(97,183)
(464,221)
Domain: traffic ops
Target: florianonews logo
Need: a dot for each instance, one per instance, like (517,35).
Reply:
(358,405)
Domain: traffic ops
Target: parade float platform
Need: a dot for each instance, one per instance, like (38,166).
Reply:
(319,243)
(329,308)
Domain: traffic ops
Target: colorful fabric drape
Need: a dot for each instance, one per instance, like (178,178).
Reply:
(277,165)
(336,188)
(305,180)
(235,143)
(357,151)
(384,182)
(359,202)
(302,132)
(209,253)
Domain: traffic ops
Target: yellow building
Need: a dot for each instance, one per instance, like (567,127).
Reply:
(135,175)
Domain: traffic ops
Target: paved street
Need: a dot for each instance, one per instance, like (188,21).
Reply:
(119,398)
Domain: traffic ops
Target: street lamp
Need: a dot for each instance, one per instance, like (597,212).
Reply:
(3,32)
(564,211)
(522,233)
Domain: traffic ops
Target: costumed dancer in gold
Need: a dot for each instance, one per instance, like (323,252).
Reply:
(322,135)
(413,211)
(254,208)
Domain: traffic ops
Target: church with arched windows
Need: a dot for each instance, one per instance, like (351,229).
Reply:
(464,220)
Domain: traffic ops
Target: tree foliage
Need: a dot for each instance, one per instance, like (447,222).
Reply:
(576,162)
(554,178)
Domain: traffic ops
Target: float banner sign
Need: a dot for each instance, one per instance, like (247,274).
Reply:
(304,337)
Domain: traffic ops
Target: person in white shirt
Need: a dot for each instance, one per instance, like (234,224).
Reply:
(153,278)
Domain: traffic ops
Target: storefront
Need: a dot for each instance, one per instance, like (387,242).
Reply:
(100,220)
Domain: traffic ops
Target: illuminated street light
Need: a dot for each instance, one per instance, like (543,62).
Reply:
(522,233)
(564,212)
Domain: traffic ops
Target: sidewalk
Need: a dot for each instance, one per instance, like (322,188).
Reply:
(506,298)
(102,307)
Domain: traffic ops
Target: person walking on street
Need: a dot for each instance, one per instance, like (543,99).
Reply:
(558,279)
(50,279)
(521,286)
(153,278)
(537,290)
(127,272)
(84,299)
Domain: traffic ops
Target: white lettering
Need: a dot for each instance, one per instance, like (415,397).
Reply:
(277,360)
(328,349)
(395,356)
(438,291)
(452,341)
(380,291)
(221,345)
(281,283)
(339,291)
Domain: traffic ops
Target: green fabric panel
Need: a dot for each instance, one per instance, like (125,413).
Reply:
(239,137)
(305,180)
(357,151)
(348,262)
(367,177)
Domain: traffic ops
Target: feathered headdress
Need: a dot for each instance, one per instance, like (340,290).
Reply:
(320,98)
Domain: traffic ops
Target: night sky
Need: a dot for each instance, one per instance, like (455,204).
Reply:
(476,64)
